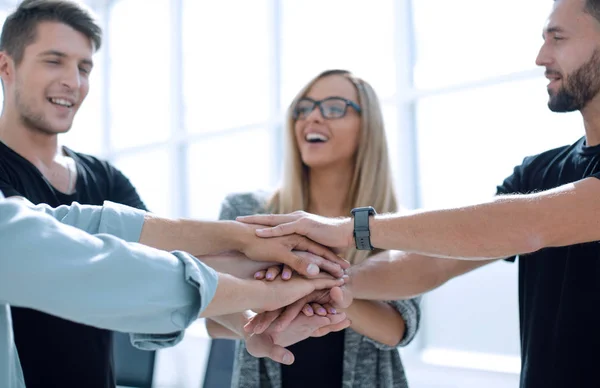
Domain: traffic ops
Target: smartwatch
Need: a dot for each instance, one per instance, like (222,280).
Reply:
(362,234)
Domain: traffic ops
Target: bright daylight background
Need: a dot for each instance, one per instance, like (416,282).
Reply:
(187,98)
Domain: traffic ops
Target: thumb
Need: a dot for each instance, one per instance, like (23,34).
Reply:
(281,355)
(301,264)
(340,297)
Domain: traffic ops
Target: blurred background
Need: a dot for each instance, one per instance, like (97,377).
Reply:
(187,98)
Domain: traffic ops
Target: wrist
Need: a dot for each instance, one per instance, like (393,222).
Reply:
(348,228)
(237,234)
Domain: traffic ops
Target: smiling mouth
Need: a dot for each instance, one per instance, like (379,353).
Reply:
(316,138)
(61,102)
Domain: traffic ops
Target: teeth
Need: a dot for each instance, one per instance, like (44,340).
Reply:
(316,137)
(61,101)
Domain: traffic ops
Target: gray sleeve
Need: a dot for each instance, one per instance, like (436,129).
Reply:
(243,204)
(410,309)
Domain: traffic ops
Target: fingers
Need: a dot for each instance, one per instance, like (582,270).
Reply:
(266,319)
(305,244)
(324,264)
(260,275)
(260,322)
(329,308)
(318,309)
(307,310)
(300,263)
(284,229)
(286,273)
(272,272)
(269,219)
(291,312)
(281,355)
(343,324)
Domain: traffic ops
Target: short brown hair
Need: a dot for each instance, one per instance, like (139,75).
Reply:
(20,27)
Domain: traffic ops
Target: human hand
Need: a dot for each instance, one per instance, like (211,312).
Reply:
(280,293)
(331,232)
(272,344)
(319,302)
(284,249)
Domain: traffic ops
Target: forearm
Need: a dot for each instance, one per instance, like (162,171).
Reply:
(235,263)
(503,227)
(229,326)
(234,295)
(196,237)
(376,320)
(216,330)
(397,275)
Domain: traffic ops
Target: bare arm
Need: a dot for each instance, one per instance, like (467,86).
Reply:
(216,330)
(236,295)
(202,238)
(502,227)
(376,320)
(196,237)
(402,275)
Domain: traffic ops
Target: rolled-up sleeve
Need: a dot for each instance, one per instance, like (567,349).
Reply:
(112,218)
(99,280)
(410,310)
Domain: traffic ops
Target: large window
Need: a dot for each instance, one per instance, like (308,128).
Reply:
(187,98)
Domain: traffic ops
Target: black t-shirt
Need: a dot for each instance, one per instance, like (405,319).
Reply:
(55,352)
(559,288)
(318,363)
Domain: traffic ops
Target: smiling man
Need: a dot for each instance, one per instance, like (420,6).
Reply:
(46,58)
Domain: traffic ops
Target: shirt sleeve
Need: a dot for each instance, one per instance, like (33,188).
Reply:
(410,310)
(98,280)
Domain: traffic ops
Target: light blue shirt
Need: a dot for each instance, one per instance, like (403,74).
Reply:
(82,269)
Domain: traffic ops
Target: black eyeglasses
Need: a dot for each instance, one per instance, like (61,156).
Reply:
(330,107)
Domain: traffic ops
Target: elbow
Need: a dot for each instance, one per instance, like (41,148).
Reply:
(394,337)
(211,328)
(394,340)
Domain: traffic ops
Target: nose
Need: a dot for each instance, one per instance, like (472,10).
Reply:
(71,77)
(315,114)
(543,58)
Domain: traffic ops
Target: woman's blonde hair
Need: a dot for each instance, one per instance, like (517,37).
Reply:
(372,179)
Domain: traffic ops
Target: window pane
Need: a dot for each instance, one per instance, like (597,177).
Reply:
(88,126)
(479,39)
(337,34)
(226,63)
(150,173)
(218,166)
(139,72)
(390,119)
(469,142)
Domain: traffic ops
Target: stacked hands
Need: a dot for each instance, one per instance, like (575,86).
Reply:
(320,307)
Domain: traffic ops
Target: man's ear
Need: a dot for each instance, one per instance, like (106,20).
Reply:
(7,67)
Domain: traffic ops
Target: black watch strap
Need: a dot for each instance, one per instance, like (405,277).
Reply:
(362,233)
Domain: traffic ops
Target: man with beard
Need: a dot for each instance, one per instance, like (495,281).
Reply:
(547,213)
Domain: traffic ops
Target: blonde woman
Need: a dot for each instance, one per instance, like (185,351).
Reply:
(335,141)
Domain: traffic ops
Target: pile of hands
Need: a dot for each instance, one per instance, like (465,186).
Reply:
(308,280)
